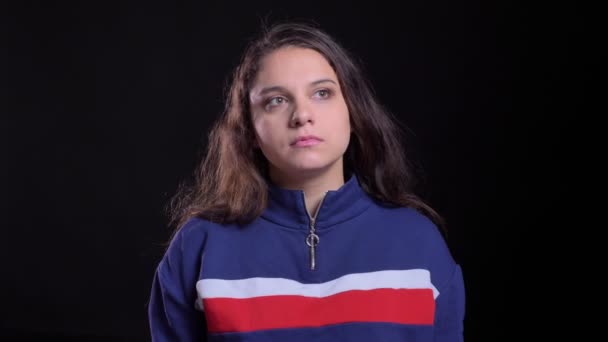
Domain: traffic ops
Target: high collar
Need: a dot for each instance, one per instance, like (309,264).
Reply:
(287,207)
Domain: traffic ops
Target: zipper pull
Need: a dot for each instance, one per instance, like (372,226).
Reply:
(312,240)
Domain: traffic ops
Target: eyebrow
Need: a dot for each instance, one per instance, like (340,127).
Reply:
(267,90)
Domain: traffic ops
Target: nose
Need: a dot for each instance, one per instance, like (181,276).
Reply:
(301,115)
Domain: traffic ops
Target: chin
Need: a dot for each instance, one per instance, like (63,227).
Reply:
(310,167)
(307,168)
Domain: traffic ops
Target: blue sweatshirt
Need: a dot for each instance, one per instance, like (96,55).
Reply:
(355,271)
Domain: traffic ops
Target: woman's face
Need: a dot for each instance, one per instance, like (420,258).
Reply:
(300,117)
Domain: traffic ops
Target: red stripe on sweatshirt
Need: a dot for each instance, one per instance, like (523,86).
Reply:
(404,306)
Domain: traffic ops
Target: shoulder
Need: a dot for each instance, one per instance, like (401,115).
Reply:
(411,224)
(423,239)
(193,230)
(423,229)
(188,242)
(196,233)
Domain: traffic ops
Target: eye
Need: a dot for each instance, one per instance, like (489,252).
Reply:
(323,93)
(275,101)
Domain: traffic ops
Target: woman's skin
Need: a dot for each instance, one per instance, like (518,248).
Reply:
(296,93)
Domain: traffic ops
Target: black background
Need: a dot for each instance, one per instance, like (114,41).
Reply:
(109,105)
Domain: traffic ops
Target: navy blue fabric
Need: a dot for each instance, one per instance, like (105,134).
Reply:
(357,235)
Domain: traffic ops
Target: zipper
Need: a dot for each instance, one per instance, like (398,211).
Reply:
(312,240)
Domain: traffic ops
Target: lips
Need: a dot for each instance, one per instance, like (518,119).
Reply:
(306,140)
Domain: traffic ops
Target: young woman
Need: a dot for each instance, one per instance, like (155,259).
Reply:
(302,225)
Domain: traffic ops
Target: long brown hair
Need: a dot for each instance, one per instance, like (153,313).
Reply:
(230,184)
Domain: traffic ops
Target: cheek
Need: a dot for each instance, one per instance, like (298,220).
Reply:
(343,120)
(260,130)
(345,127)
(346,131)
(264,132)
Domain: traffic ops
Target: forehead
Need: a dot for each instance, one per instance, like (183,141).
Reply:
(292,65)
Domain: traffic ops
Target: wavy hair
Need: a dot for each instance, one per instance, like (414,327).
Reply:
(230,183)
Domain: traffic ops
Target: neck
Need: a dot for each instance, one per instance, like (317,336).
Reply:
(314,185)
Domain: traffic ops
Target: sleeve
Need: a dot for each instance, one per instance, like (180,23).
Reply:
(450,309)
(171,311)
